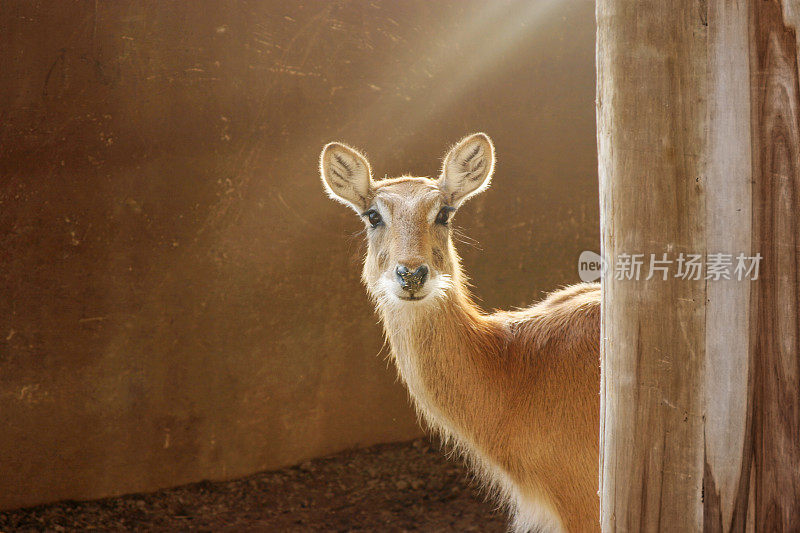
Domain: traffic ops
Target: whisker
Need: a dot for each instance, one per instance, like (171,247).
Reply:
(385,345)
(356,245)
(462,237)
(460,233)
(362,231)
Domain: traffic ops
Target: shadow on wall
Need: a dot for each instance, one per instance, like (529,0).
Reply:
(180,300)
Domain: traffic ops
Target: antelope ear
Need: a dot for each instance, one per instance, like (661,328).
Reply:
(467,168)
(346,176)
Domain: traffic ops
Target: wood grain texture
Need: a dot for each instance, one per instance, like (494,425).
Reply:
(776,329)
(732,355)
(767,489)
(728,230)
(651,132)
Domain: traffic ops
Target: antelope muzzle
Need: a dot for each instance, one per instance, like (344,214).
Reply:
(411,281)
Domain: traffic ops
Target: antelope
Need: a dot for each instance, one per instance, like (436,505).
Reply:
(515,392)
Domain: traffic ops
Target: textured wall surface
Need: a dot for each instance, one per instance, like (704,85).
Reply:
(178,299)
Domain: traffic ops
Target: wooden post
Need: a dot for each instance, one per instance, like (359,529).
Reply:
(699,153)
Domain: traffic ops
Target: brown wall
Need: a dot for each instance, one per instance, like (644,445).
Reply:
(178,299)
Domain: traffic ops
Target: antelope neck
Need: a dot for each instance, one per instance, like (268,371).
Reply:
(435,352)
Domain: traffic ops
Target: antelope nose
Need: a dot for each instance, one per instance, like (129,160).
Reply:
(411,281)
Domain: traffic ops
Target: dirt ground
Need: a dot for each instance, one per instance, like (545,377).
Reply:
(392,487)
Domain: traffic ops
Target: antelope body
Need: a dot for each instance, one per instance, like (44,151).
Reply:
(517,392)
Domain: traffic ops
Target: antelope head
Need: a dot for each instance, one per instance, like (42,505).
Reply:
(410,255)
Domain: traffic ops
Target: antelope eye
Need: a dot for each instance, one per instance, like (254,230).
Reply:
(374,218)
(444,215)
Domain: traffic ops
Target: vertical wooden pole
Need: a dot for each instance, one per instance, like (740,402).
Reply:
(775,375)
(651,58)
(699,152)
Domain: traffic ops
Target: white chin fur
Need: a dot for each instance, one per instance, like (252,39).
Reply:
(387,293)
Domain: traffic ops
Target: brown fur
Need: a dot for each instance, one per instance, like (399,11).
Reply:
(517,392)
